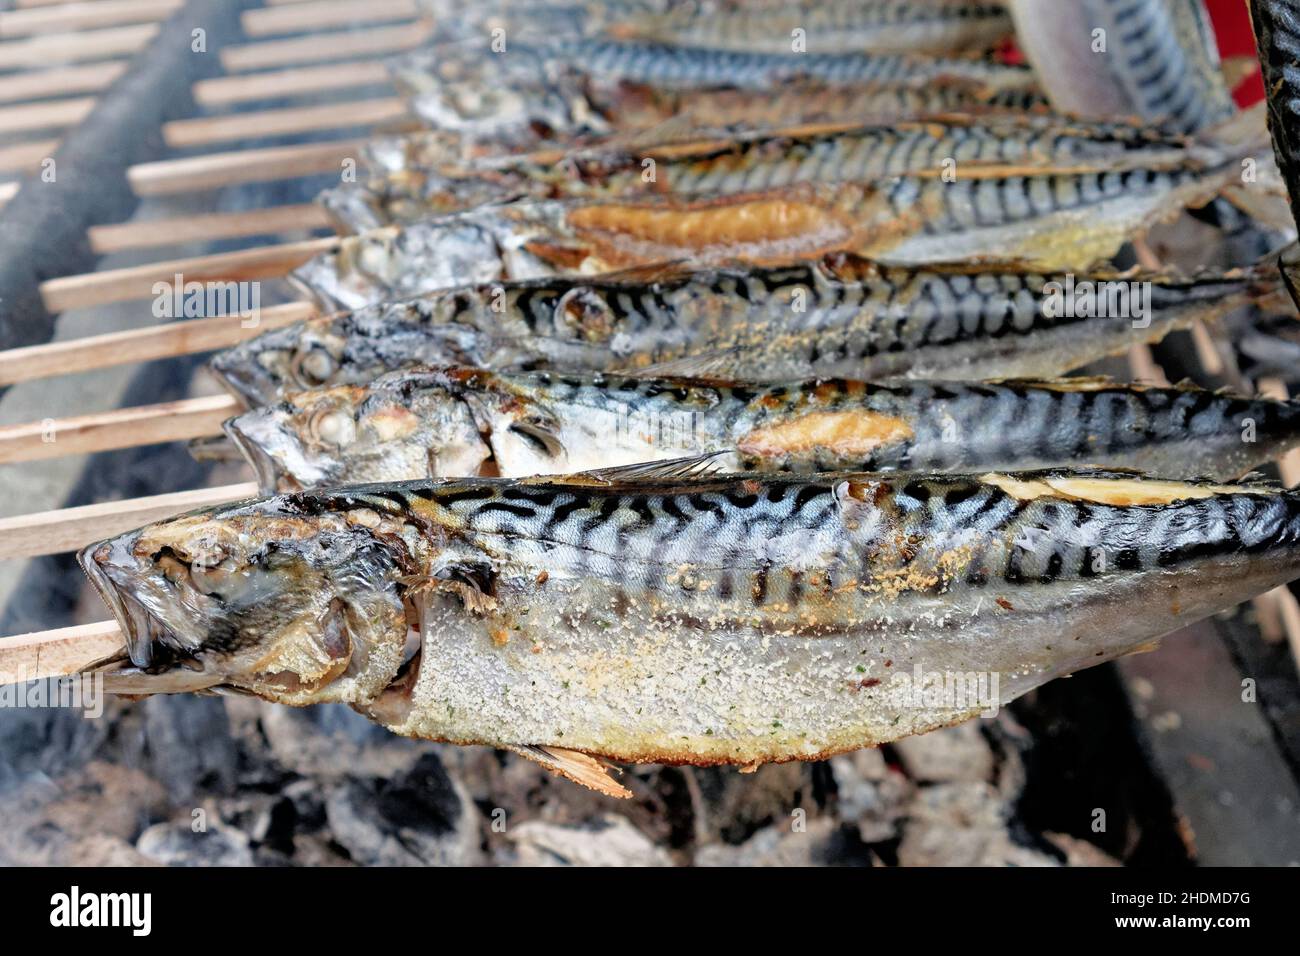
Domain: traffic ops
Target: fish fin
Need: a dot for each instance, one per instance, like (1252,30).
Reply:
(704,365)
(672,469)
(472,583)
(576,766)
(1245,130)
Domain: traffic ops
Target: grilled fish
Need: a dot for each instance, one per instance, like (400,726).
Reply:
(457,422)
(588,86)
(828,26)
(1277,32)
(825,153)
(733,620)
(841,316)
(1047,219)
(1154,59)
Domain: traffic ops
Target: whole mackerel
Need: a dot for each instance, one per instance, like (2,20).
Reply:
(758,160)
(1048,219)
(734,620)
(585,86)
(841,316)
(458,422)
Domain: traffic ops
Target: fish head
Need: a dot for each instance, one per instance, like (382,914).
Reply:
(291,603)
(299,356)
(404,426)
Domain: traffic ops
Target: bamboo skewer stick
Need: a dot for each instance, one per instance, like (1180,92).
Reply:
(48,114)
(67,17)
(240,166)
(68,529)
(227,90)
(57,653)
(205,130)
(119,428)
(25,157)
(149,233)
(147,344)
(137,282)
(60,81)
(320,14)
(74,47)
(268,54)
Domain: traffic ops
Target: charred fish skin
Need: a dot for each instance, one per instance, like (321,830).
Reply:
(841,316)
(1158,62)
(446,422)
(733,620)
(753,162)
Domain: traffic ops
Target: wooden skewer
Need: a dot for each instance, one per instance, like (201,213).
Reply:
(74,47)
(216,170)
(119,428)
(25,157)
(66,17)
(144,234)
(320,14)
(48,114)
(141,345)
(57,653)
(68,529)
(59,81)
(334,46)
(226,90)
(137,282)
(205,130)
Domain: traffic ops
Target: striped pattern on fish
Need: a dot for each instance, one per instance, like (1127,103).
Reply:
(753,161)
(841,316)
(728,620)
(1046,219)
(455,422)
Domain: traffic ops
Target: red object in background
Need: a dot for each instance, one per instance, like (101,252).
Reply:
(1232,29)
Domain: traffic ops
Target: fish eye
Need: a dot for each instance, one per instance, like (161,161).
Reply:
(333,427)
(314,367)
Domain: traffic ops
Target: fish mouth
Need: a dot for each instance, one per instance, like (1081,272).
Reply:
(140,629)
(263,465)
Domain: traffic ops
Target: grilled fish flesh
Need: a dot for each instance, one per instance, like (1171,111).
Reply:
(825,153)
(457,422)
(1047,219)
(732,620)
(842,316)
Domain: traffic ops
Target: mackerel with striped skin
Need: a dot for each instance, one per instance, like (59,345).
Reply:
(751,161)
(1045,219)
(1160,61)
(1277,32)
(830,26)
(458,422)
(728,620)
(839,317)
(580,86)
